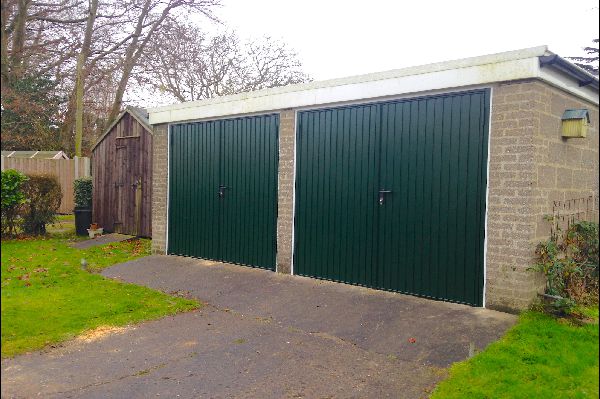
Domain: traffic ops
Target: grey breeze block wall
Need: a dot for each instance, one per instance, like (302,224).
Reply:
(159,188)
(530,165)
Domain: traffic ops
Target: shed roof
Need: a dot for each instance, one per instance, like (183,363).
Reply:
(35,154)
(139,114)
(476,71)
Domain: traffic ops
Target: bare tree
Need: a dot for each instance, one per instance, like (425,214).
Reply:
(67,65)
(34,50)
(81,45)
(80,73)
(38,36)
(150,20)
(196,66)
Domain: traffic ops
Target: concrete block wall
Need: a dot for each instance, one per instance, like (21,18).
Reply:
(566,168)
(285,211)
(530,166)
(159,188)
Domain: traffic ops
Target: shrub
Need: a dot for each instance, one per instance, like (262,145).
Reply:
(43,194)
(569,261)
(581,242)
(83,192)
(12,199)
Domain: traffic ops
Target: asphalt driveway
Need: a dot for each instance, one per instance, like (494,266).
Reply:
(261,335)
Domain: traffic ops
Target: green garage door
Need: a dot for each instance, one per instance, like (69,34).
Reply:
(223,190)
(392,195)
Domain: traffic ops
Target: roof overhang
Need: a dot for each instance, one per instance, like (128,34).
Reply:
(129,111)
(583,77)
(451,75)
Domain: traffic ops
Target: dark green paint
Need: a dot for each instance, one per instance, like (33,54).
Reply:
(239,227)
(427,238)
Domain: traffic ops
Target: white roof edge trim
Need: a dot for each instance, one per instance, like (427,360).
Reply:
(413,70)
(568,84)
(512,65)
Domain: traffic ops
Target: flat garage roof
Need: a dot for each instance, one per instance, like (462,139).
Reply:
(535,62)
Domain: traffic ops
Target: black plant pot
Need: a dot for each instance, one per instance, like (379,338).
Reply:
(83,220)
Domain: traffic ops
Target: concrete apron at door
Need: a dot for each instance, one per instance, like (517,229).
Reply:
(261,335)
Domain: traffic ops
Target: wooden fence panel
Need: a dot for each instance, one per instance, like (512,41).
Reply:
(66,170)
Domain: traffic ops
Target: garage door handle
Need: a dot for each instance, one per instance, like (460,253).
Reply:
(222,189)
(382,194)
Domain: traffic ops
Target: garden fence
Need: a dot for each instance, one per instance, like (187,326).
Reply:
(66,170)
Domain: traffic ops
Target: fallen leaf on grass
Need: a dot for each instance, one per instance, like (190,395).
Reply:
(40,270)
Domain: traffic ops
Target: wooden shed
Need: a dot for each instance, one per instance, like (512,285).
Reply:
(122,175)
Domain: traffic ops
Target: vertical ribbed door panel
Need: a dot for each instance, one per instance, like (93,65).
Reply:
(223,190)
(392,195)
(336,194)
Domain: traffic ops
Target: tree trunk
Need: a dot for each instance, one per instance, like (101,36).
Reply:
(4,44)
(80,79)
(128,64)
(13,66)
(66,130)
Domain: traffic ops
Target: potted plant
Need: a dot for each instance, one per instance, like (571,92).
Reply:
(83,205)
(95,230)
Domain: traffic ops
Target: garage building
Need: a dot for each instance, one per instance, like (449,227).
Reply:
(432,180)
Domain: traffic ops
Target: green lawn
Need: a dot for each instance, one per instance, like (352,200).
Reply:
(48,298)
(541,357)
(65,224)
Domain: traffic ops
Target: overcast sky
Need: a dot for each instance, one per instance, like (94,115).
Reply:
(336,38)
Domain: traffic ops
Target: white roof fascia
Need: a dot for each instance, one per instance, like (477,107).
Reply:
(513,65)
(567,83)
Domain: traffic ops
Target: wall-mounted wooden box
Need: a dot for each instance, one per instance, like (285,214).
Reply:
(575,123)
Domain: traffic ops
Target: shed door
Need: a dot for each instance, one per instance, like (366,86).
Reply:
(127,209)
(392,195)
(223,190)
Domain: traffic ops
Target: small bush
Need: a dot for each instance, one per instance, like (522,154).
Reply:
(12,200)
(83,192)
(581,241)
(569,261)
(44,195)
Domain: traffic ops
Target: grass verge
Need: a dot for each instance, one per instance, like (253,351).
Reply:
(65,224)
(48,298)
(540,357)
